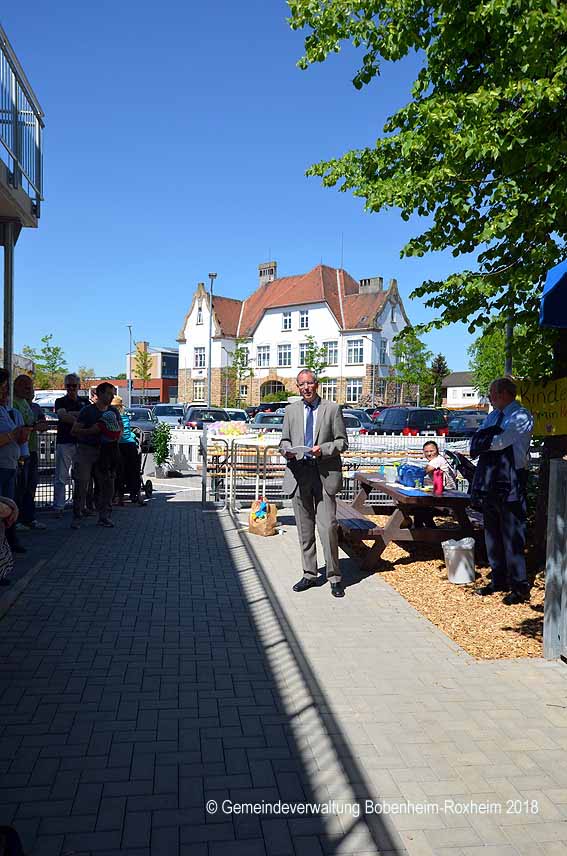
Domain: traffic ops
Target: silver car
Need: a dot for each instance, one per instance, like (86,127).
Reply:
(172,414)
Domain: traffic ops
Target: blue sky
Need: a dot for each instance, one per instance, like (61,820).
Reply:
(176,143)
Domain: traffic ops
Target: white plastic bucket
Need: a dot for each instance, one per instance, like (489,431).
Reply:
(459,559)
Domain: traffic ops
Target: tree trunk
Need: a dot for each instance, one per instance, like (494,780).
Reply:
(553,447)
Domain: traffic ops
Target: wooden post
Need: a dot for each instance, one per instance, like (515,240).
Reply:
(555,609)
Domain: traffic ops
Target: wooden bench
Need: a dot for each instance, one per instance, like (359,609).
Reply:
(354,528)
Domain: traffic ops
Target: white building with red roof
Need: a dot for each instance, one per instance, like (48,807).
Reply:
(354,320)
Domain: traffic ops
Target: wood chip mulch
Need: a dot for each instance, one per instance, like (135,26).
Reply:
(483,626)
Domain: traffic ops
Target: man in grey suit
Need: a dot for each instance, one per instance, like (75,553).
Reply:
(314,479)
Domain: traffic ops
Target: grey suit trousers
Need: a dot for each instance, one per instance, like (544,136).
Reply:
(313,506)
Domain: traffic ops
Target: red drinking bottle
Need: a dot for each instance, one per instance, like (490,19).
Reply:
(437,481)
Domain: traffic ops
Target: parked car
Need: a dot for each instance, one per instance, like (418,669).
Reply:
(271,406)
(195,416)
(144,424)
(353,425)
(465,425)
(412,421)
(376,411)
(237,415)
(367,426)
(172,414)
(267,422)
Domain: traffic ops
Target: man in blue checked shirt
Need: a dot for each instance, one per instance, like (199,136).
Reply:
(505,516)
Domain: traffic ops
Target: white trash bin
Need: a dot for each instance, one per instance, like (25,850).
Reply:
(459,559)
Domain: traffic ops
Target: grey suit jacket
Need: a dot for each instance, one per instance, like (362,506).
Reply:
(330,435)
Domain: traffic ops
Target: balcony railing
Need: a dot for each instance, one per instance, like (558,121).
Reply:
(21,125)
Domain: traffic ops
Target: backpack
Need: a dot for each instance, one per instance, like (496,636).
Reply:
(409,474)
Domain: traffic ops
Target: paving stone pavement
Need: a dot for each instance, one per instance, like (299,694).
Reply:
(148,670)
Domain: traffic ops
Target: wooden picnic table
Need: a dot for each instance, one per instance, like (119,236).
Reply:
(355,527)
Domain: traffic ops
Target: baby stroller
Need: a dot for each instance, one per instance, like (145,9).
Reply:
(132,475)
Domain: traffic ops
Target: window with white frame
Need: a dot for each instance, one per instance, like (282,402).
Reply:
(262,356)
(243,391)
(199,358)
(381,387)
(355,351)
(198,390)
(328,389)
(284,355)
(245,355)
(454,393)
(199,314)
(303,348)
(383,351)
(353,390)
(304,319)
(331,353)
(393,313)
(286,321)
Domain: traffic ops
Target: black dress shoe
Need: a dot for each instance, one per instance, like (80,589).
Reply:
(304,584)
(491,588)
(517,596)
(337,590)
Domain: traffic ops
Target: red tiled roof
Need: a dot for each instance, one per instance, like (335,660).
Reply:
(323,284)
(360,310)
(227,311)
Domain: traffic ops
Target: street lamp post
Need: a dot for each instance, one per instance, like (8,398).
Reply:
(130,366)
(212,277)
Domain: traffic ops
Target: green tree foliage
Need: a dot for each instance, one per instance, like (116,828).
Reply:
(487,355)
(480,151)
(315,357)
(143,369)
(50,363)
(161,439)
(86,374)
(412,358)
(239,370)
(275,396)
(438,371)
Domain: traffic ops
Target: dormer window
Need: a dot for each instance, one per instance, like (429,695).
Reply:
(199,314)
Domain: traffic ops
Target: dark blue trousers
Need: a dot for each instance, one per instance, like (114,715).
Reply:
(505,539)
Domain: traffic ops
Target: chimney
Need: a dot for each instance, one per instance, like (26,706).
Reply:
(142,346)
(371,285)
(267,272)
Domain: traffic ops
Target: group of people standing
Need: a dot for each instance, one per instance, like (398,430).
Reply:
(95,447)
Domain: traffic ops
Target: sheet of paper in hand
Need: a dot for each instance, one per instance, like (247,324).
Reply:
(299,451)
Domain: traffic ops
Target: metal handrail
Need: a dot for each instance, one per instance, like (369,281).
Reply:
(21,124)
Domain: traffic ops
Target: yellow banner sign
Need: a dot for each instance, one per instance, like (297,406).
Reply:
(547,400)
